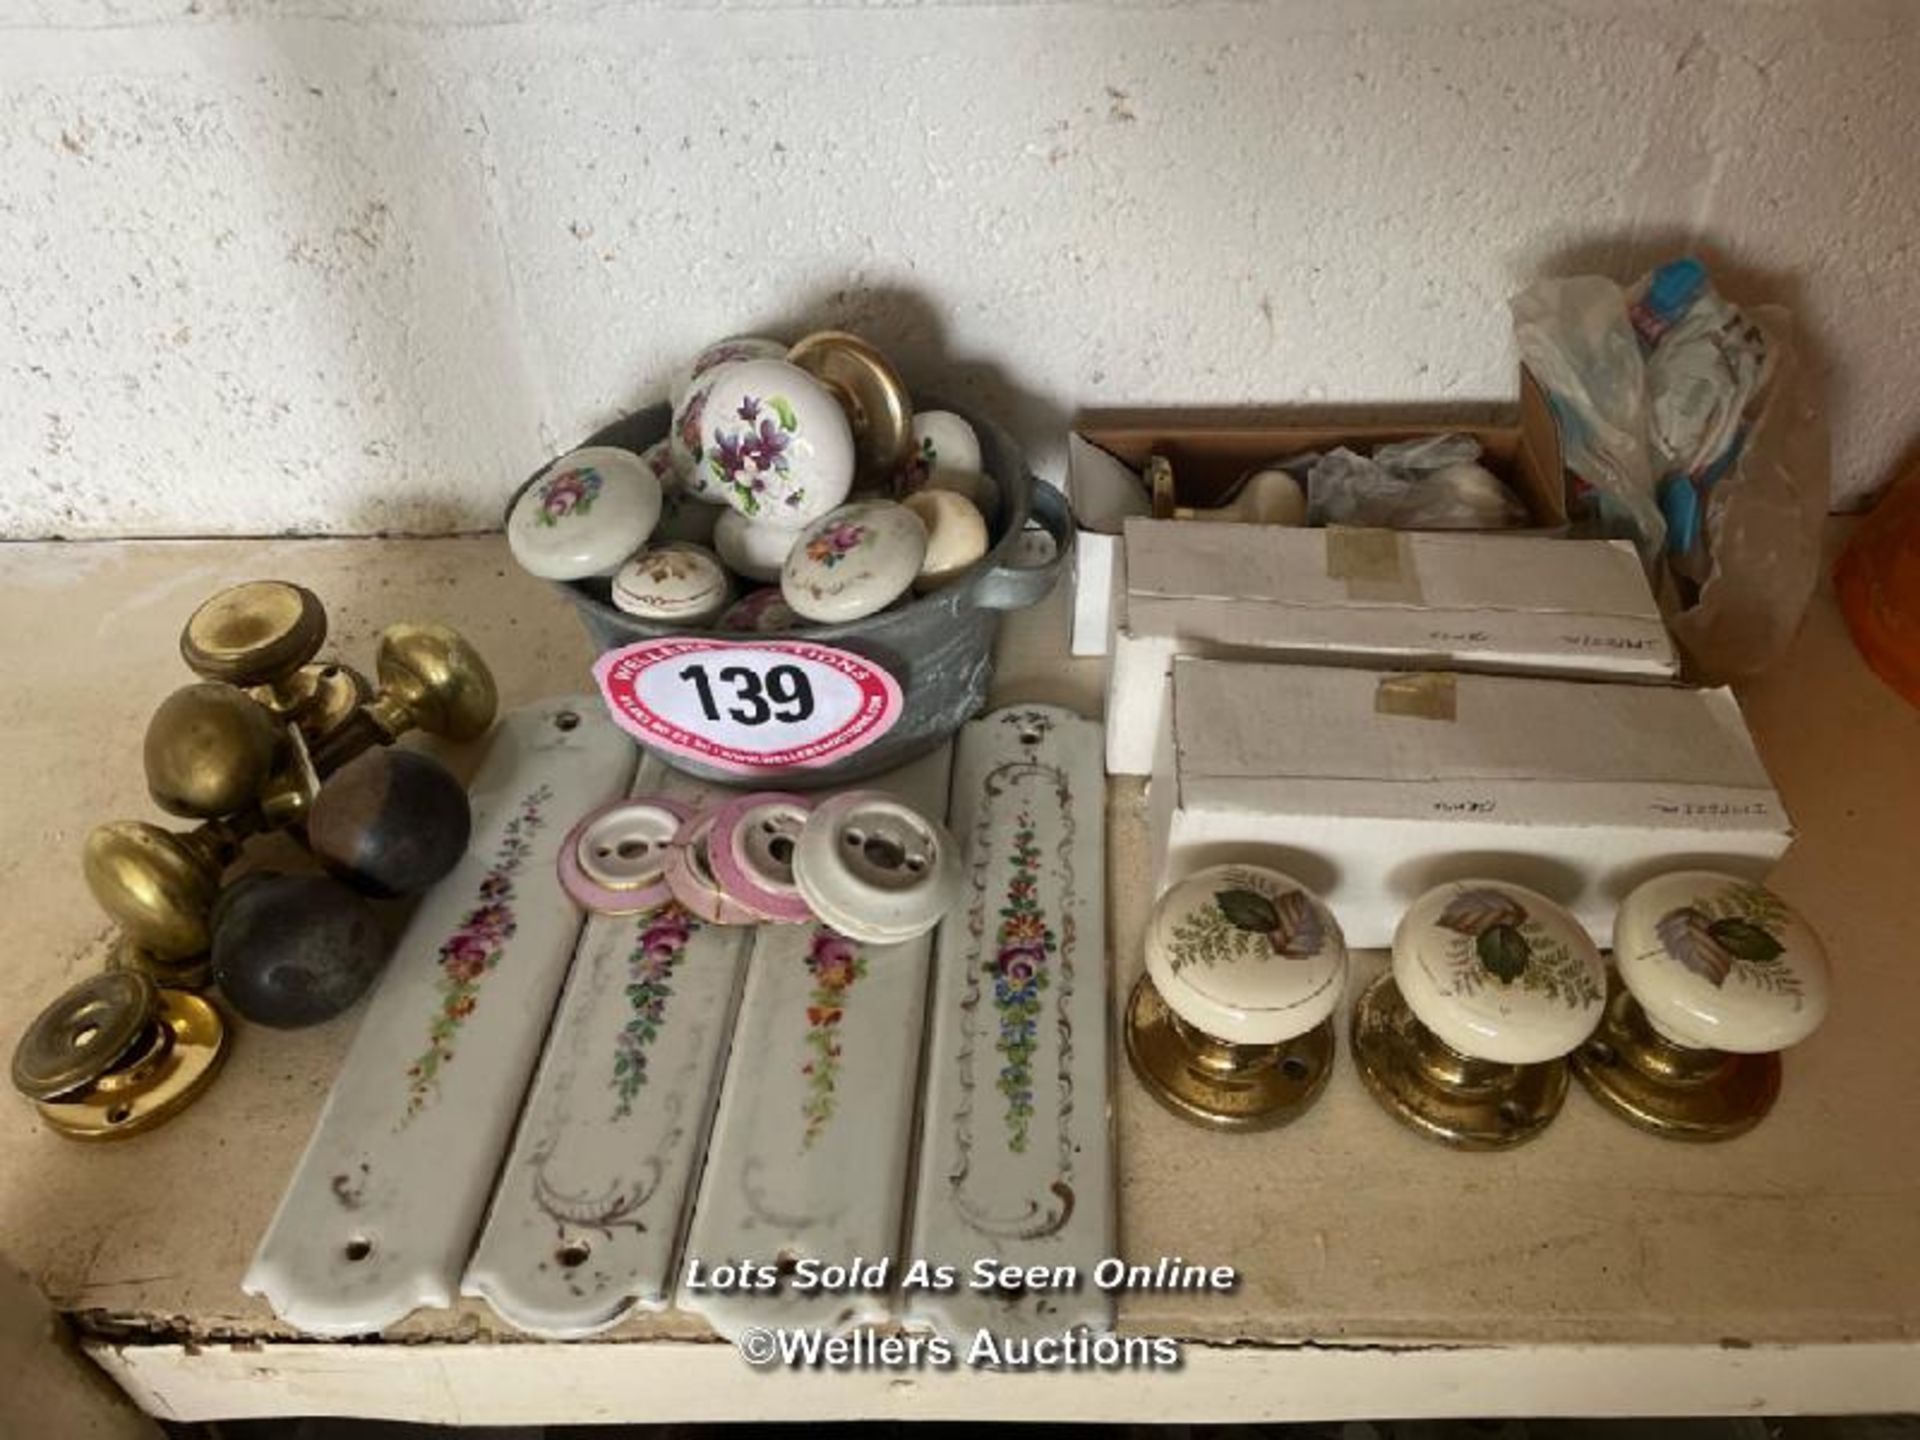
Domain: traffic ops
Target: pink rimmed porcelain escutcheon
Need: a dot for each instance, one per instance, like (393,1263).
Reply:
(584,514)
(614,861)
(854,562)
(691,878)
(750,850)
(775,443)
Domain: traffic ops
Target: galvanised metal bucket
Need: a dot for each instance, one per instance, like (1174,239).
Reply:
(938,646)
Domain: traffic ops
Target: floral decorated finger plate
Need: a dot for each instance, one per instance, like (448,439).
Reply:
(1016,1152)
(381,1213)
(809,1155)
(775,443)
(854,562)
(584,514)
(586,1220)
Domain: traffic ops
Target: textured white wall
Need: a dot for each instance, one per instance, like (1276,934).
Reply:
(352,265)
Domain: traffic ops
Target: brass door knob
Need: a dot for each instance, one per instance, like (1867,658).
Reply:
(1715,976)
(1231,1027)
(873,396)
(159,885)
(262,637)
(430,679)
(209,750)
(1464,1039)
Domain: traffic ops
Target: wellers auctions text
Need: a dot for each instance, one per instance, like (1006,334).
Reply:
(809,1276)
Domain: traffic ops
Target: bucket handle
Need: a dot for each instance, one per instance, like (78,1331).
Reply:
(1014,587)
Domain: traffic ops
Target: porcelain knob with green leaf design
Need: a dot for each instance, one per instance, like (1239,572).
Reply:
(1499,972)
(1246,955)
(1721,963)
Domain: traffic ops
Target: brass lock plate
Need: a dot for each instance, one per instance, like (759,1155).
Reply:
(159,1080)
(1467,1104)
(1668,1090)
(1220,1086)
(83,1034)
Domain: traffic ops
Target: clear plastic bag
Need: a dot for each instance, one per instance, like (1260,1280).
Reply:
(1433,483)
(1688,427)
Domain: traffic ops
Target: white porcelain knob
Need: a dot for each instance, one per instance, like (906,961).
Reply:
(584,514)
(1246,955)
(943,440)
(755,551)
(776,443)
(1720,963)
(1499,972)
(1268,497)
(686,441)
(614,860)
(723,352)
(678,584)
(854,562)
(875,869)
(956,536)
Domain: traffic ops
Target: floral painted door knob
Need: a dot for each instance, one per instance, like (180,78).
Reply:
(775,443)
(1716,975)
(875,869)
(854,562)
(584,514)
(1231,1026)
(730,351)
(759,612)
(678,584)
(1465,1038)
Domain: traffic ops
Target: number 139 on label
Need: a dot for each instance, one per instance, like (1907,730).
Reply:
(750,707)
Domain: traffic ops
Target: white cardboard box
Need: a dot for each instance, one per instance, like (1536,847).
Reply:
(1518,604)
(1371,787)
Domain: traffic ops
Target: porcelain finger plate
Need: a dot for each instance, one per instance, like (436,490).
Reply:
(1016,1149)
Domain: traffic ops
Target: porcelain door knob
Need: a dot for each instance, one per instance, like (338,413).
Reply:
(723,352)
(875,869)
(759,612)
(756,552)
(675,584)
(854,562)
(584,514)
(956,536)
(1464,1039)
(1231,1026)
(775,443)
(1716,975)
(1266,497)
